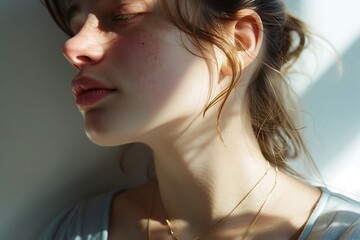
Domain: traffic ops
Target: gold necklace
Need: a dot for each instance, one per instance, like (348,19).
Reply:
(217,225)
(263,205)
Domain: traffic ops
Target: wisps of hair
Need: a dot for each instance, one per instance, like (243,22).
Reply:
(269,94)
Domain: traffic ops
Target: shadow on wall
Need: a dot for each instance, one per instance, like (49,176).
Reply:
(334,101)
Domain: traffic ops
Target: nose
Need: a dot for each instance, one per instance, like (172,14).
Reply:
(83,48)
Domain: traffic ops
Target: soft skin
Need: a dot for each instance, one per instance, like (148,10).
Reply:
(160,85)
(162,89)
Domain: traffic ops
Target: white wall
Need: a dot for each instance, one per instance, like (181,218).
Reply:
(46,162)
(332,97)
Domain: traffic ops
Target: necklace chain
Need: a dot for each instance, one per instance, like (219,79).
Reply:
(262,206)
(217,225)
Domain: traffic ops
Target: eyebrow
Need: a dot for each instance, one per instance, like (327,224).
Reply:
(72,11)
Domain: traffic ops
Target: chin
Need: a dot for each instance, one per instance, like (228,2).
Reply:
(104,140)
(98,128)
(107,136)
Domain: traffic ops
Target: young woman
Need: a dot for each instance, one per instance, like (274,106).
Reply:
(202,83)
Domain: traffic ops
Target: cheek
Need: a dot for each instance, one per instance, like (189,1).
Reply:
(154,65)
(141,61)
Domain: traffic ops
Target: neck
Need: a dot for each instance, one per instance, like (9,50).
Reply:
(200,171)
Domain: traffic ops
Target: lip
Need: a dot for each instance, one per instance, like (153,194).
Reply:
(88,91)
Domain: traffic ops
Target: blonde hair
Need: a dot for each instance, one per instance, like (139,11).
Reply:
(268,92)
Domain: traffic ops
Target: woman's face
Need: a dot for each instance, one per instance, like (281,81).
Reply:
(136,80)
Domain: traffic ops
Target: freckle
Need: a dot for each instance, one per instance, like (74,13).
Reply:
(142,43)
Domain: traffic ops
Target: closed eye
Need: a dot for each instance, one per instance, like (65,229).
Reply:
(124,18)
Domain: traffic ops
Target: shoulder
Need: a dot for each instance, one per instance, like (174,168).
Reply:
(87,219)
(335,217)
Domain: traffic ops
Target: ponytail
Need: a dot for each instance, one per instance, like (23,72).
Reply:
(269,94)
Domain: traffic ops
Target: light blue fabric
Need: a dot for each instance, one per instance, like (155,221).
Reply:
(87,220)
(335,217)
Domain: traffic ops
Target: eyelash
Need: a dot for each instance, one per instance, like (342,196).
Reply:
(122,19)
(125,18)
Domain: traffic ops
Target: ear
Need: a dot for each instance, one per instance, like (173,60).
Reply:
(247,34)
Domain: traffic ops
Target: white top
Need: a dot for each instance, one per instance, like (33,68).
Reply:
(335,217)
